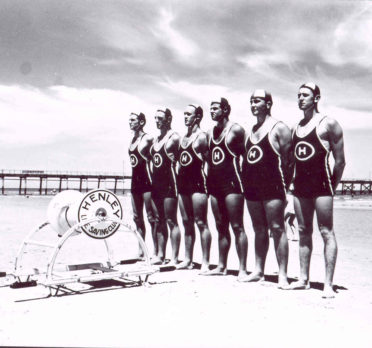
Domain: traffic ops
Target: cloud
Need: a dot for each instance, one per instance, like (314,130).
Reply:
(283,109)
(33,116)
(75,71)
(183,47)
(352,40)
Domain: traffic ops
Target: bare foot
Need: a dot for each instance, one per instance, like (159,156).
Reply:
(242,276)
(299,285)
(204,268)
(173,263)
(156,260)
(283,283)
(219,271)
(185,265)
(328,292)
(253,277)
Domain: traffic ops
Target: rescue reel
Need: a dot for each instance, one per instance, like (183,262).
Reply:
(98,215)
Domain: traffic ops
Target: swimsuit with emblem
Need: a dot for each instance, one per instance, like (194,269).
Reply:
(141,179)
(191,177)
(262,173)
(312,173)
(223,175)
(163,175)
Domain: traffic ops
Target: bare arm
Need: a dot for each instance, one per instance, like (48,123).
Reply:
(336,143)
(235,139)
(145,146)
(172,147)
(283,137)
(201,144)
(202,148)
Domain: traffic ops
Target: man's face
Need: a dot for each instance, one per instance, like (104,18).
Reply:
(306,99)
(190,116)
(259,106)
(216,112)
(134,124)
(160,120)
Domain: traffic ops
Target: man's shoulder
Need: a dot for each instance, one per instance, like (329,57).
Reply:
(174,136)
(201,137)
(331,125)
(173,141)
(237,129)
(280,128)
(147,138)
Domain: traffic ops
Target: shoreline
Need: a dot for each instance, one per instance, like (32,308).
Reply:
(340,202)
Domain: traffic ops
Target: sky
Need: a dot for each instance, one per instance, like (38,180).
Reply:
(72,71)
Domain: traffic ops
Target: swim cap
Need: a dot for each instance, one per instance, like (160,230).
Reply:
(141,116)
(313,87)
(224,104)
(198,110)
(261,93)
(167,113)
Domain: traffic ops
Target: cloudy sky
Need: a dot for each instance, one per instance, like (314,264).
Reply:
(72,71)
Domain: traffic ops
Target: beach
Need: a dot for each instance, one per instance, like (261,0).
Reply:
(184,309)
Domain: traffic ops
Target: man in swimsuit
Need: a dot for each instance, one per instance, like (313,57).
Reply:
(192,193)
(314,139)
(164,153)
(226,145)
(267,173)
(139,153)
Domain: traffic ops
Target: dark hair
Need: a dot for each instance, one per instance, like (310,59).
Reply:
(224,105)
(141,117)
(167,114)
(198,110)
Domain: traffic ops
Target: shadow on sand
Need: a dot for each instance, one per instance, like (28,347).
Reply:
(272,278)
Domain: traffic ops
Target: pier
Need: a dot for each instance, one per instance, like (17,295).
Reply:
(25,182)
(355,187)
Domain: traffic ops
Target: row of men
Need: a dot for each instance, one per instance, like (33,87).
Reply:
(229,164)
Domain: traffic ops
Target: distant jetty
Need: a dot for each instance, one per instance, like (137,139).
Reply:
(40,182)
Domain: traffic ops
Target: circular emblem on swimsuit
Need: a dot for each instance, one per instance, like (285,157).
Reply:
(185,158)
(157,160)
(102,204)
(304,151)
(133,160)
(254,154)
(217,155)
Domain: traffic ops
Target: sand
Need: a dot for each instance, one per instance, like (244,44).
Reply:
(184,309)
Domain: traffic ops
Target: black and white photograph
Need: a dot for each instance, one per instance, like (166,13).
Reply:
(185,173)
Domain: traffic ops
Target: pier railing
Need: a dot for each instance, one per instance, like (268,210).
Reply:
(25,182)
(355,187)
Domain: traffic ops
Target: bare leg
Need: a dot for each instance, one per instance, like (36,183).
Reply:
(153,219)
(235,208)
(304,209)
(261,239)
(200,210)
(185,204)
(274,210)
(170,211)
(161,231)
(224,238)
(324,213)
(137,207)
(290,218)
